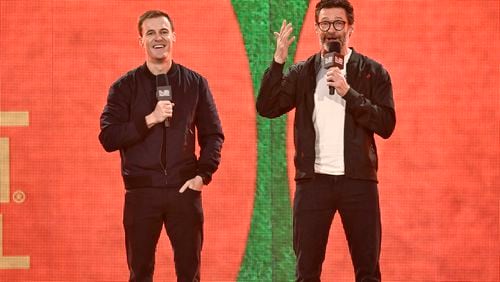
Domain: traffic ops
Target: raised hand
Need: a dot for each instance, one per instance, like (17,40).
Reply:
(283,41)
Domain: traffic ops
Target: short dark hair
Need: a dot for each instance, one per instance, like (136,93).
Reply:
(150,15)
(344,4)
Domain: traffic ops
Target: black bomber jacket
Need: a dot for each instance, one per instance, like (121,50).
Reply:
(123,127)
(369,110)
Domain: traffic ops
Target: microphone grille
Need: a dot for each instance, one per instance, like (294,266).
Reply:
(161,80)
(333,46)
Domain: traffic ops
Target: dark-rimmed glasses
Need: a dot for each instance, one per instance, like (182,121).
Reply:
(338,25)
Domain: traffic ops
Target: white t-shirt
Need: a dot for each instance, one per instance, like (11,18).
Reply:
(328,118)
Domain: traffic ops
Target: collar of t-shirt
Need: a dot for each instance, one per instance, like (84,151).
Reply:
(346,59)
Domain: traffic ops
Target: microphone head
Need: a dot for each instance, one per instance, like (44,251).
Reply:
(333,58)
(333,46)
(161,80)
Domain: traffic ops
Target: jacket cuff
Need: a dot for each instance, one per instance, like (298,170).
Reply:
(207,178)
(277,67)
(351,95)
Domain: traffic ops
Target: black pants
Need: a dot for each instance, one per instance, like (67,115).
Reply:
(146,211)
(315,204)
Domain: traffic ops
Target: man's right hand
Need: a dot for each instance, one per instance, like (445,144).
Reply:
(283,41)
(163,110)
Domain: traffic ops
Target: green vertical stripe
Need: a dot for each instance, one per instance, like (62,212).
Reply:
(269,255)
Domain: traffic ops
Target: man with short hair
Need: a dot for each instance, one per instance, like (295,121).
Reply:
(156,137)
(335,154)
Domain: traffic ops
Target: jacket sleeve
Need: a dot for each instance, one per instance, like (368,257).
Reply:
(210,135)
(377,114)
(117,129)
(277,92)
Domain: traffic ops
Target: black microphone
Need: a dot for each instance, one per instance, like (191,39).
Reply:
(163,92)
(333,58)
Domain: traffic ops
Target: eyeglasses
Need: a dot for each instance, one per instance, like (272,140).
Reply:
(338,25)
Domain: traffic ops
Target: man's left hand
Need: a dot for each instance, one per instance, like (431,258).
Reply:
(336,79)
(195,183)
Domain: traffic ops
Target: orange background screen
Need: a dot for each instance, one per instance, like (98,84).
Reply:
(63,195)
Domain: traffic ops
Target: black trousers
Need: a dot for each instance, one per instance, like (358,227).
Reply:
(146,211)
(315,204)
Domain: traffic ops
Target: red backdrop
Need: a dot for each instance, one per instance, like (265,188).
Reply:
(439,172)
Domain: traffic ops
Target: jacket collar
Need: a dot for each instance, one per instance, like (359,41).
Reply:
(171,72)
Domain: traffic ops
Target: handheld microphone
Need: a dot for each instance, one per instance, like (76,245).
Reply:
(163,92)
(333,59)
